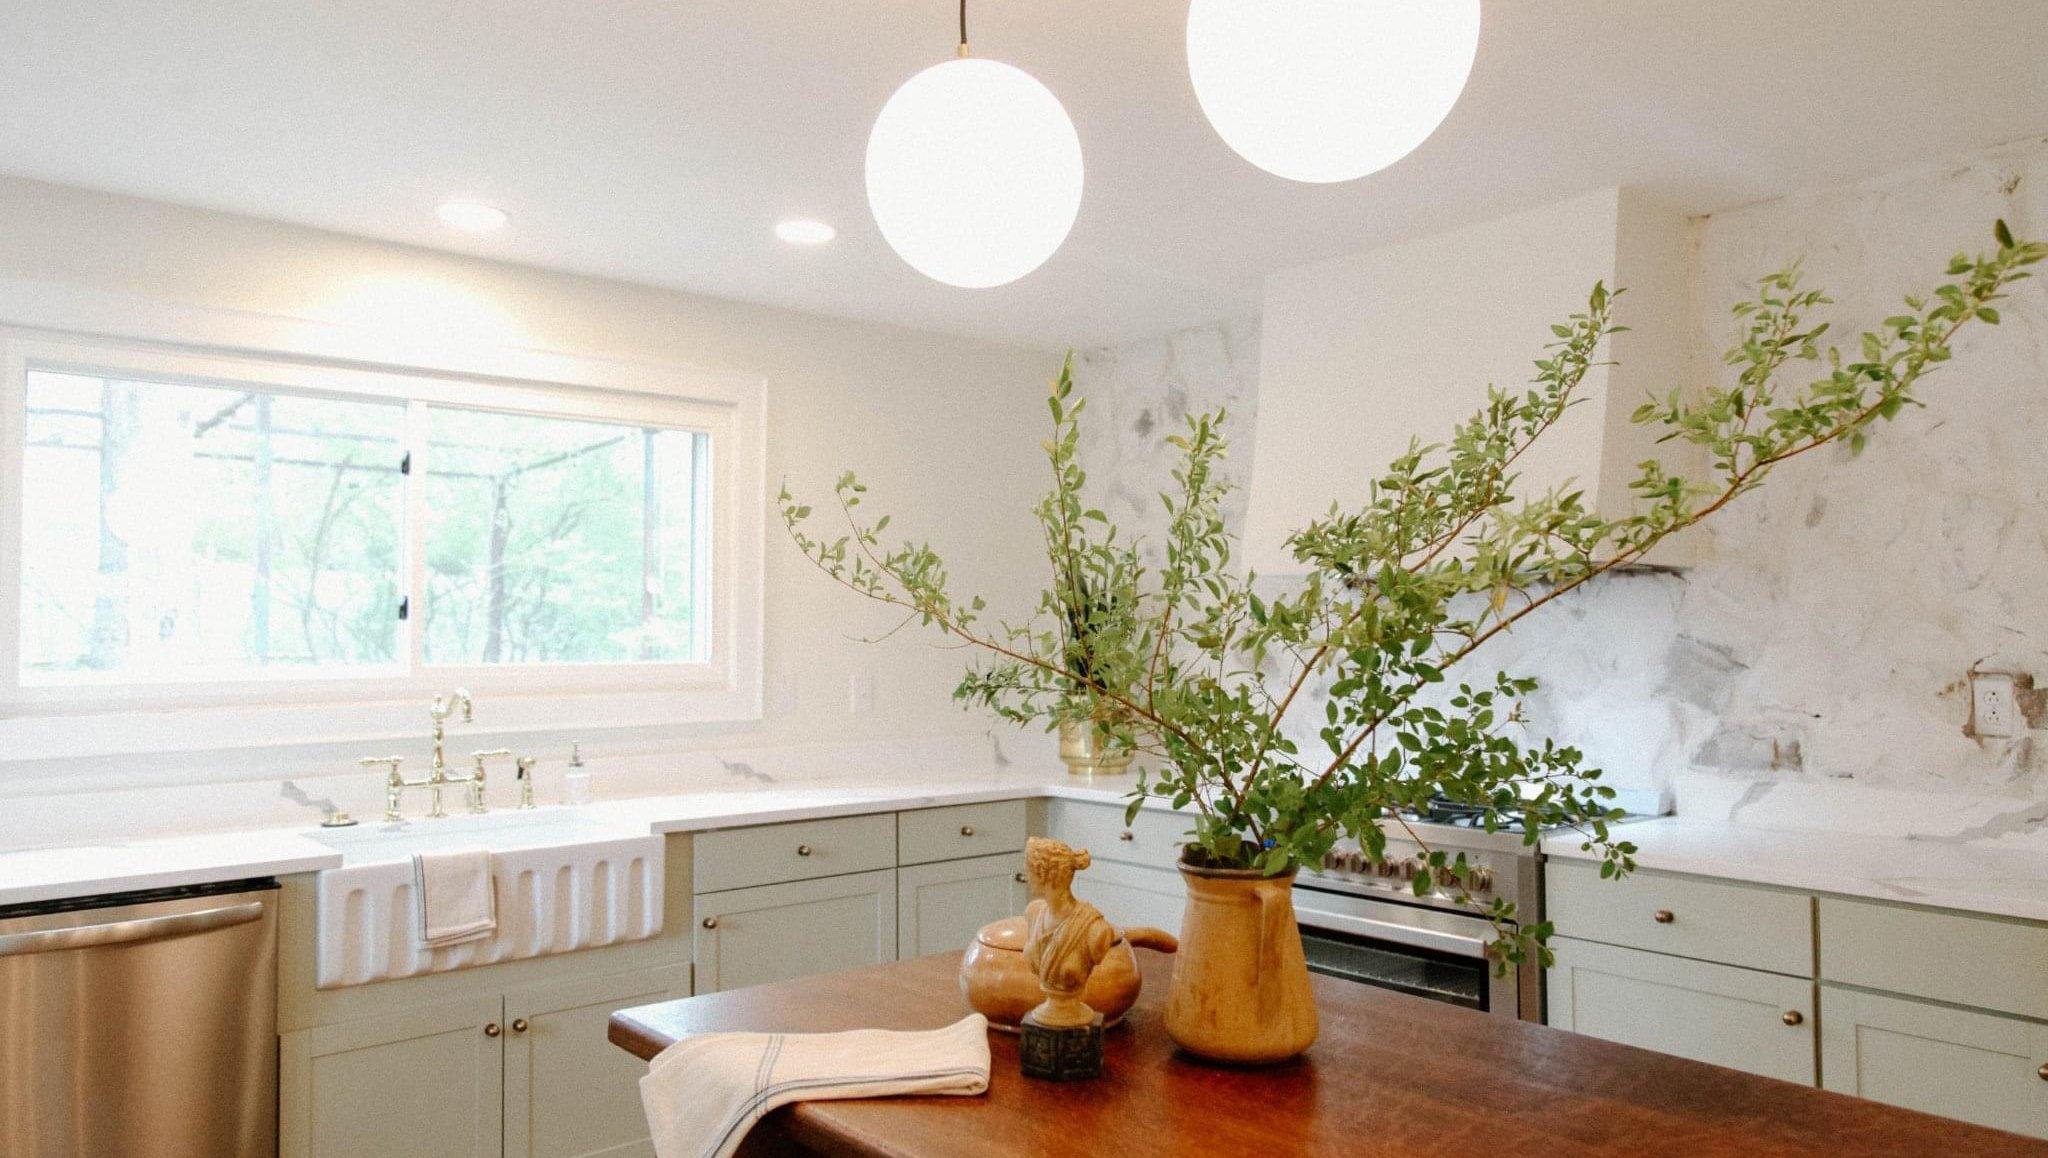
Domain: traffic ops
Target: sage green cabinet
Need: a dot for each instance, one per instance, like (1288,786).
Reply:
(569,1092)
(1991,963)
(1979,1067)
(776,932)
(424,1083)
(1753,926)
(940,907)
(528,1073)
(1741,1018)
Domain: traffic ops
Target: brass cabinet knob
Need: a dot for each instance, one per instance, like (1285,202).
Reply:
(710,922)
(803,850)
(1663,916)
(518,1025)
(966,830)
(1127,835)
(1793,1017)
(1019,878)
(491,1029)
(2043,1071)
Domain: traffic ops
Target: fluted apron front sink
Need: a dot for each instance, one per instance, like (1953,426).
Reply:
(564,882)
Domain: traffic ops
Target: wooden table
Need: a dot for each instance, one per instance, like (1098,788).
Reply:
(1391,1075)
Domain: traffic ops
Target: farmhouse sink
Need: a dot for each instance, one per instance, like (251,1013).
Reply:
(565,881)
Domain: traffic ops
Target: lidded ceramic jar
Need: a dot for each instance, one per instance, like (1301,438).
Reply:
(999,985)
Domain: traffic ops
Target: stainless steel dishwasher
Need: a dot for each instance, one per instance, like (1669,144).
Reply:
(140,1024)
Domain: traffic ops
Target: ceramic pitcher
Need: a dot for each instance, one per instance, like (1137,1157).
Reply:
(1240,983)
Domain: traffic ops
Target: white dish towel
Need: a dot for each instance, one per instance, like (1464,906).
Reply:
(706,1091)
(457,900)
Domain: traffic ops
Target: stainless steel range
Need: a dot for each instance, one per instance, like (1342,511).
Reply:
(1365,923)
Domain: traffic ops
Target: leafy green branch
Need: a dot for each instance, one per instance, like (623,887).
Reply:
(1202,672)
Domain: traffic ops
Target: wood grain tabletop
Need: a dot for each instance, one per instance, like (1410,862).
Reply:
(1391,1075)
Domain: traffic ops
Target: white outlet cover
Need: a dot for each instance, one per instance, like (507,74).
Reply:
(1994,707)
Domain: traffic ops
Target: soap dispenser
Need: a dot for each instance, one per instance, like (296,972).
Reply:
(576,782)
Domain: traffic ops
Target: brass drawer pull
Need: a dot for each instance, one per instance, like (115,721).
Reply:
(1663,916)
(1793,1017)
(710,922)
(966,830)
(2043,1071)
(1127,836)
(803,850)
(1019,878)
(491,1029)
(518,1025)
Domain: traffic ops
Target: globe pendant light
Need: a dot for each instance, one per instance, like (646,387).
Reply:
(1329,90)
(974,171)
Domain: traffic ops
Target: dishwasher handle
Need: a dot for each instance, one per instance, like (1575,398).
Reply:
(130,932)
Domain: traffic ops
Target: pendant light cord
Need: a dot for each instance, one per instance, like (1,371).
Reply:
(963,27)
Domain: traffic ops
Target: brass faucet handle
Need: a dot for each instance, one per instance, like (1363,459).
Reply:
(389,763)
(489,754)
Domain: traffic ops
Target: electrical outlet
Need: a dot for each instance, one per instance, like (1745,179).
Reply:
(1994,705)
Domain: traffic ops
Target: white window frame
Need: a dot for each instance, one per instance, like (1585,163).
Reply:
(106,715)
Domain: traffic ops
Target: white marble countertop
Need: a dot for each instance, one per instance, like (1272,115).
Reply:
(43,874)
(47,874)
(1977,854)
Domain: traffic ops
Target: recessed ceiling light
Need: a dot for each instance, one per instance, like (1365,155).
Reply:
(472,216)
(798,231)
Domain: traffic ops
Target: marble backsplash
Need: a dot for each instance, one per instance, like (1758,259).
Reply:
(1829,628)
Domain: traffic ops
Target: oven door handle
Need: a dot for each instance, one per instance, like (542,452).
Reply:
(1457,944)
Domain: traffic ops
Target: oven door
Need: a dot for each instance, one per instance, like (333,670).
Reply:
(1409,948)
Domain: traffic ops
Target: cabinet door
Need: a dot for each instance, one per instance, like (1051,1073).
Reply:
(568,1090)
(940,907)
(422,1083)
(1979,1067)
(1129,895)
(1739,1018)
(776,932)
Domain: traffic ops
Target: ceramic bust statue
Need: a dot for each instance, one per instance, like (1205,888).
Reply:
(1067,936)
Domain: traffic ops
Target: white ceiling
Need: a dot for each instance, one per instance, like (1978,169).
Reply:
(659,140)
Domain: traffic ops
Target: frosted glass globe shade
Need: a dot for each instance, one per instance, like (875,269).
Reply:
(974,173)
(1329,90)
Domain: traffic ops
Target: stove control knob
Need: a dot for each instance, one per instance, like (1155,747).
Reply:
(1408,867)
(1480,880)
(1333,860)
(1355,862)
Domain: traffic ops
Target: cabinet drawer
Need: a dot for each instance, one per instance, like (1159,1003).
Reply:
(1978,1067)
(959,831)
(1987,962)
(738,858)
(1740,1018)
(1153,838)
(1756,928)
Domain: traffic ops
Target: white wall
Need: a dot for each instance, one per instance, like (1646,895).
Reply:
(945,430)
